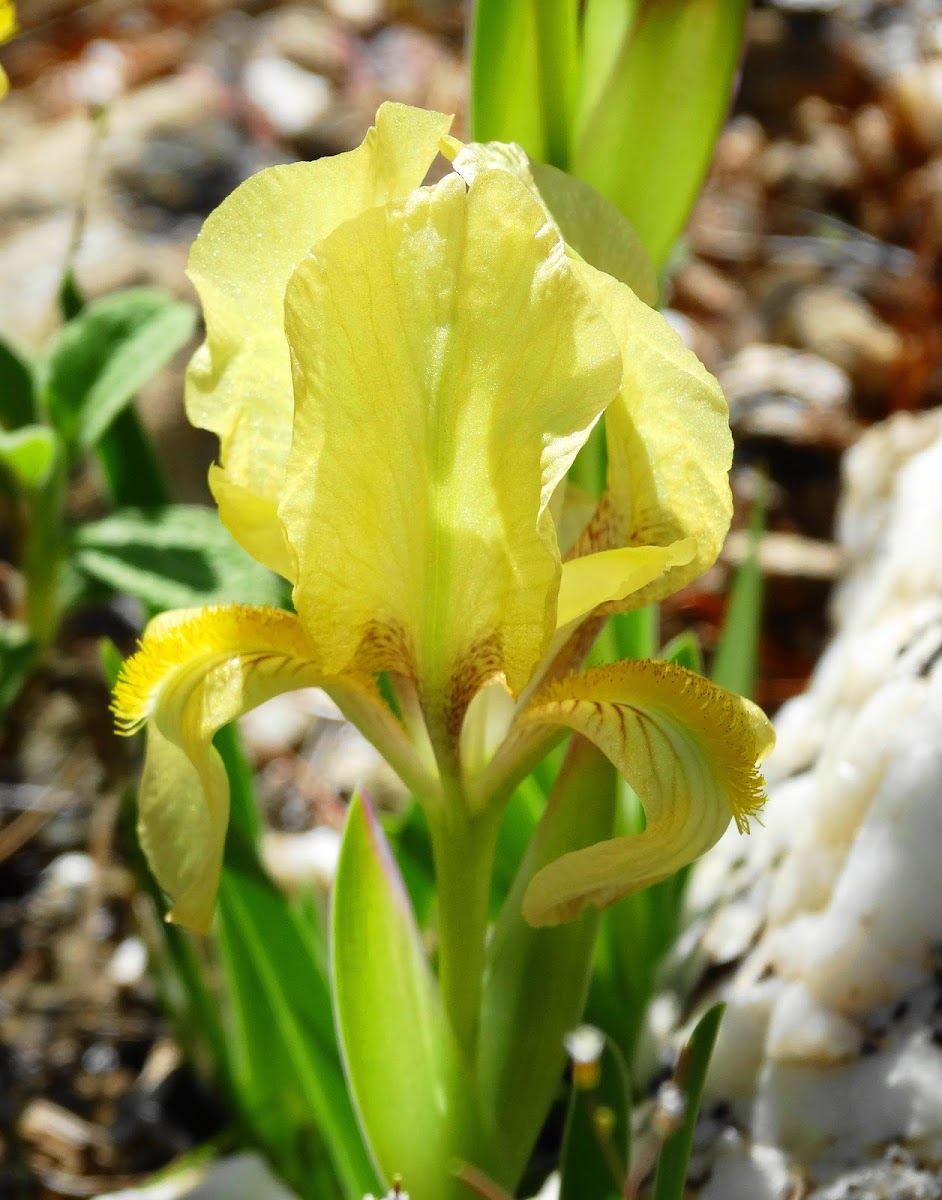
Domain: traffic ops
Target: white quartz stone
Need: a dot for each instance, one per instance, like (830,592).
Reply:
(239,1177)
(827,920)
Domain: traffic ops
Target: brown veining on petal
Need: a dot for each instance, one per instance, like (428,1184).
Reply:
(575,651)
(606,530)
(609,530)
(385,646)
(482,664)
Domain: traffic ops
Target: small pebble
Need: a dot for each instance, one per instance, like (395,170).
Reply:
(302,859)
(128,963)
(100,1057)
(294,100)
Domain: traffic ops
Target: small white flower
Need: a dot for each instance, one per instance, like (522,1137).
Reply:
(584,1045)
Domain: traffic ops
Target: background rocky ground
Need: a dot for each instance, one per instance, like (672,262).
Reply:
(810,282)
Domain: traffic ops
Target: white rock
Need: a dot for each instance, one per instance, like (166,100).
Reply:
(550,1189)
(292,99)
(70,872)
(739,1047)
(761,1174)
(302,859)
(805,1031)
(128,963)
(829,915)
(361,14)
(239,1177)
(100,74)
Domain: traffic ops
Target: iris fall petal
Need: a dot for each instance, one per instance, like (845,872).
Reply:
(194,672)
(688,748)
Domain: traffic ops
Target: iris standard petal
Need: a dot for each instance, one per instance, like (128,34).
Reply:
(589,224)
(447,369)
(239,382)
(669,445)
(611,576)
(195,671)
(688,748)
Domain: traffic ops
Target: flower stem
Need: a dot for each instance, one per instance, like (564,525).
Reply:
(463,845)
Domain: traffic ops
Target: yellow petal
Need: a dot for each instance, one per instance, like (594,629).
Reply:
(572,508)
(253,522)
(612,575)
(456,370)
(669,445)
(239,382)
(591,225)
(195,671)
(8,25)
(688,748)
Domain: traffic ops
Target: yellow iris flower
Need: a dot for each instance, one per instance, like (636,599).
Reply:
(400,377)
(8,27)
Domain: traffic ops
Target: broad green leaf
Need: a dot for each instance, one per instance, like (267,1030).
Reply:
(285,1059)
(684,650)
(105,354)
(19,653)
(525,75)
(409,838)
(606,25)
(414,1094)
(177,556)
(537,979)
(128,459)
(736,661)
(557,37)
(41,468)
(132,471)
(71,299)
(17,387)
(28,453)
(648,139)
(673,1161)
(505,81)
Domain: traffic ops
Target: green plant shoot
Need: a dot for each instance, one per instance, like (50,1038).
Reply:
(400,377)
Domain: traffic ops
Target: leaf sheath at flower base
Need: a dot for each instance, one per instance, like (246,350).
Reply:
(410,1082)
(537,979)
